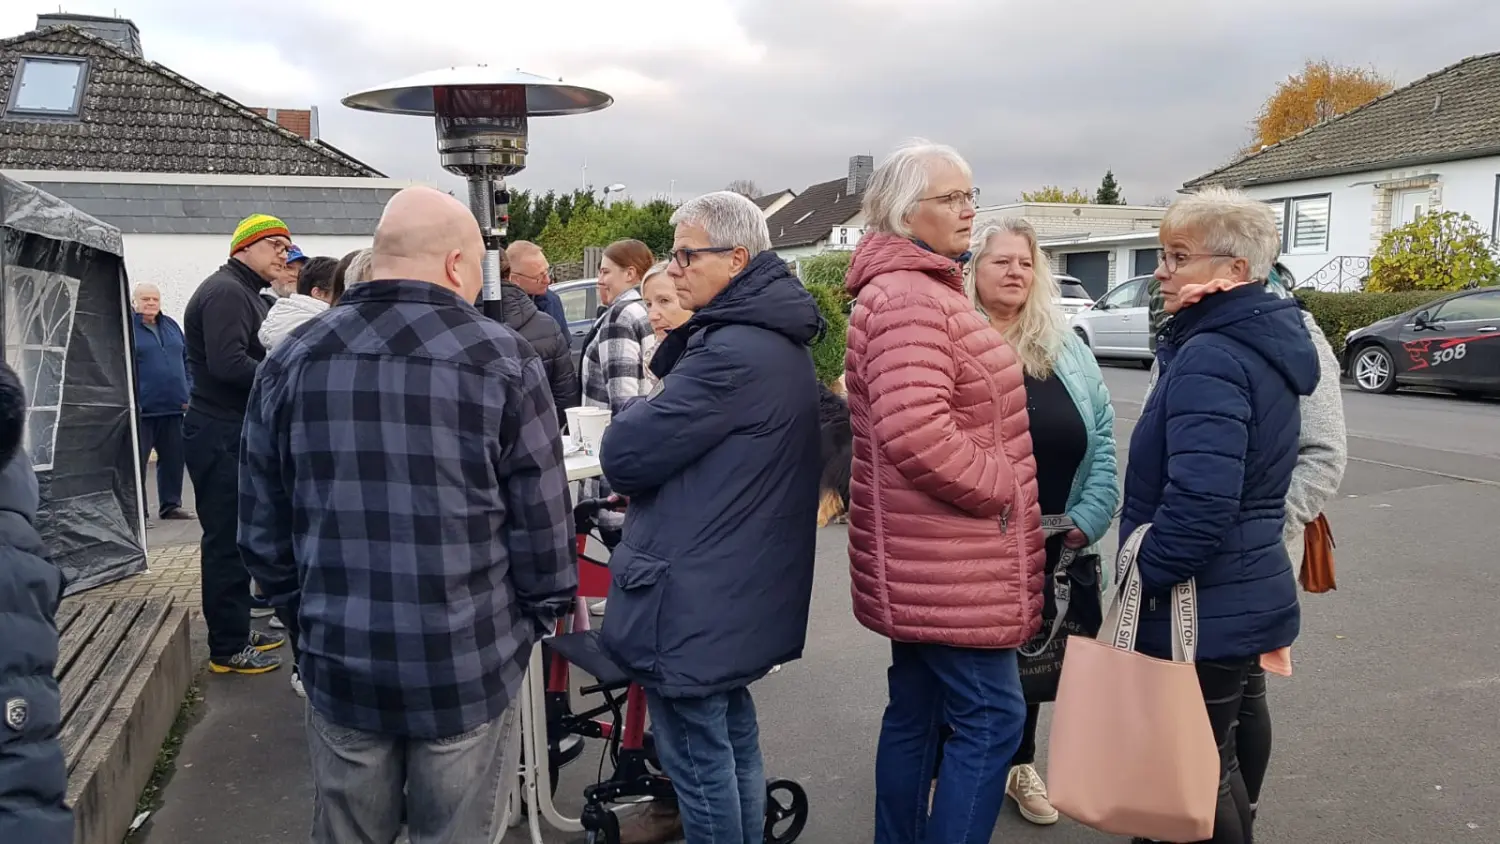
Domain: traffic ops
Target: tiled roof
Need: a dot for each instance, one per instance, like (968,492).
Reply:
(1451,114)
(809,217)
(138,116)
(764,202)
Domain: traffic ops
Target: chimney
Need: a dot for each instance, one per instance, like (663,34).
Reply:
(302,121)
(118,31)
(861,168)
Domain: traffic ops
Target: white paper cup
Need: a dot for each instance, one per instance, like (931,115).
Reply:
(586,425)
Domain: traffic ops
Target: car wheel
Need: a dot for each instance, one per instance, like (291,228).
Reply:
(1373,370)
(1082,335)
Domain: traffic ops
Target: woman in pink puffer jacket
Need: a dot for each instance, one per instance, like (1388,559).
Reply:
(945,538)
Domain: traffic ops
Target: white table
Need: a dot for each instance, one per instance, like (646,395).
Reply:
(533,786)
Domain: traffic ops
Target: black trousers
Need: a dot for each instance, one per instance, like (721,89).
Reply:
(1223,685)
(212,447)
(1254,734)
(164,434)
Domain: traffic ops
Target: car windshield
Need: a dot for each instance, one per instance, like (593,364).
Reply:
(1074,290)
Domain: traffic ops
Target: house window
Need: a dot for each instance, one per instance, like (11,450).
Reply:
(51,87)
(1303,223)
(38,321)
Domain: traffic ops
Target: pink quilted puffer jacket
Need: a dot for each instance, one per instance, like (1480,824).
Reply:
(945,533)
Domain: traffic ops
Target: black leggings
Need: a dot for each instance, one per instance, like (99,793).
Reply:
(1254,735)
(1223,685)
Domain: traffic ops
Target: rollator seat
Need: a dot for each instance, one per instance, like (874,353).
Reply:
(583,650)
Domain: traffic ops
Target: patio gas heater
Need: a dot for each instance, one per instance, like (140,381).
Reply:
(481,117)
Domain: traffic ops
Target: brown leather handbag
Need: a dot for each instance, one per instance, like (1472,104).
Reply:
(1317,557)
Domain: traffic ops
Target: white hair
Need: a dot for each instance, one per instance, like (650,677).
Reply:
(358,271)
(900,182)
(142,288)
(729,219)
(1038,334)
(1228,222)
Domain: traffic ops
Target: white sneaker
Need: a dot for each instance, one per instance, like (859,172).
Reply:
(297,683)
(1024,785)
(597,607)
(276,623)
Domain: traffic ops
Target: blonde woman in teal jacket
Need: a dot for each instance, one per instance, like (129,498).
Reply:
(1073,439)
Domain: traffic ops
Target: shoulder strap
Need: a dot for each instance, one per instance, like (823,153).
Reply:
(1122,614)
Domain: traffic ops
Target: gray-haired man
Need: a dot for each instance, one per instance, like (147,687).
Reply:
(713,579)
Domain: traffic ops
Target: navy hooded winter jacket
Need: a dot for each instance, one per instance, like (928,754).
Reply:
(161,367)
(713,580)
(1210,462)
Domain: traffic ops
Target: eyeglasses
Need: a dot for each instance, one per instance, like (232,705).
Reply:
(684,257)
(279,245)
(956,200)
(544,275)
(1173,260)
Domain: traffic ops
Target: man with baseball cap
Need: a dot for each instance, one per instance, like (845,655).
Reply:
(220,326)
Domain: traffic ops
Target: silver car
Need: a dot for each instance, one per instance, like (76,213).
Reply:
(1118,326)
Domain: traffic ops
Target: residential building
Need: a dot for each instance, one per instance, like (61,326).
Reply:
(88,118)
(1100,245)
(1342,185)
(825,216)
(773,202)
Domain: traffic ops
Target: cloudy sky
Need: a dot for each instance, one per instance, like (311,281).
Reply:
(782,92)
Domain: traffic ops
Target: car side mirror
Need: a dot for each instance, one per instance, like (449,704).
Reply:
(1422,322)
(1101,306)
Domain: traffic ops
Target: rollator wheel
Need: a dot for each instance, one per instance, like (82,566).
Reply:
(786,811)
(600,825)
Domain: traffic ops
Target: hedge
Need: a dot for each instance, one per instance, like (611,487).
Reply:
(828,351)
(1340,313)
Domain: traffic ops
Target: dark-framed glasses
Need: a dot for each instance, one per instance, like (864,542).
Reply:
(684,257)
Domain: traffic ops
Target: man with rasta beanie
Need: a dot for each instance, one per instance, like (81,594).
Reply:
(221,324)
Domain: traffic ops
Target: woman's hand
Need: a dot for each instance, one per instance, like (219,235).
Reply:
(1075,539)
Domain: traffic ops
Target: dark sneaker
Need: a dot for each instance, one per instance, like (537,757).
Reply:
(247,661)
(266,641)
(178,514)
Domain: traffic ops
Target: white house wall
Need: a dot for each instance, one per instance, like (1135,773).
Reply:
(178,263)
(1360,205)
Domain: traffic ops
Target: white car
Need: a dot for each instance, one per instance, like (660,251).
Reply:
(1075,299)
(1118,326)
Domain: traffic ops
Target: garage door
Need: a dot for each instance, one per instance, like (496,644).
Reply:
(1091,268)
(1145,261)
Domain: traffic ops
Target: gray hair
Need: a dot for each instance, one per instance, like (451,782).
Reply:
(1228,222)
(142,288)
(358,271)
(730,220)
(900,181)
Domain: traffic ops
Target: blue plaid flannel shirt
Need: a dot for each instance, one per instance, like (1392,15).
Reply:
(402,488)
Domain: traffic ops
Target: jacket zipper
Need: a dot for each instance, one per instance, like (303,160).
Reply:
(1005,519)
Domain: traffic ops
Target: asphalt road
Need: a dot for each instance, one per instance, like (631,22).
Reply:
(1388,732)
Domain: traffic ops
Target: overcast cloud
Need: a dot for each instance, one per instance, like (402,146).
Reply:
(784,91)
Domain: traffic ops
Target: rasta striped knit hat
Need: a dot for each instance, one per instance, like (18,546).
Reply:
(255,228)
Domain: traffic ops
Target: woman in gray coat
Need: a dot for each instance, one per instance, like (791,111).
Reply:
(1322,454)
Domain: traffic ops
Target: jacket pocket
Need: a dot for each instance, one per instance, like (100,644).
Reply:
(632,631)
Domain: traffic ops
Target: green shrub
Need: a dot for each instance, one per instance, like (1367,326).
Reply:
(827,268)
(828,351)
(1439,251)
(1340,313)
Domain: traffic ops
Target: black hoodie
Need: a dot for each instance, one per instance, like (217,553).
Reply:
(520,314)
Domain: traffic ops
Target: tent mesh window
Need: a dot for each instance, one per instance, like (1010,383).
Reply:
(38,321)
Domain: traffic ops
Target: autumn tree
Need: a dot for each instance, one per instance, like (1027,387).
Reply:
(1322,91)
(743,187)
(1109,191)
(1053,193)
(1439,251)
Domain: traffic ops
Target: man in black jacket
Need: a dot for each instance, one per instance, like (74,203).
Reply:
(33,776)
(520,313)
(221,324)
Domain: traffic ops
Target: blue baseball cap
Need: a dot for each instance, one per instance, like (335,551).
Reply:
(294,254)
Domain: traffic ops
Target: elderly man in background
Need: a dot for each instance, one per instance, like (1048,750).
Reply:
(530,271)
(220,325)
(519,312)
(161,397)
(402,491)
(713,578)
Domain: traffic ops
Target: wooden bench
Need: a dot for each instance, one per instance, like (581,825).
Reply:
(123,666)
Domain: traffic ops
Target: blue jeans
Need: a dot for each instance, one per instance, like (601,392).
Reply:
(710,747)
(977,693)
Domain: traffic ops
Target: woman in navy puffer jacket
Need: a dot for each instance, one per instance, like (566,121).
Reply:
(1212,456)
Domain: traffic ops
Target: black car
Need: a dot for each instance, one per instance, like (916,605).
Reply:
(1452,343)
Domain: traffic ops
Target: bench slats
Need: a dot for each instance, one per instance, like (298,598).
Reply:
(140,631)
(85,621)
(97,652)
(65,614)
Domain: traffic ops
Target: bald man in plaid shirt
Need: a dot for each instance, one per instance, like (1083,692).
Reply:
(403,494)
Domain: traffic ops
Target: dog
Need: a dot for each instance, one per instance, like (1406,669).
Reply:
(836,453)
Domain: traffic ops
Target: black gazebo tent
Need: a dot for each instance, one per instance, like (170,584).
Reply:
(66,327)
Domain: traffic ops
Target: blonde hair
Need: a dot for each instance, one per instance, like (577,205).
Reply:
(1228,222)
(656,269)
(1038,334)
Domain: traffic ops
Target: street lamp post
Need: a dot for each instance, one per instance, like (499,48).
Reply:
(611,190)
(481,115)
